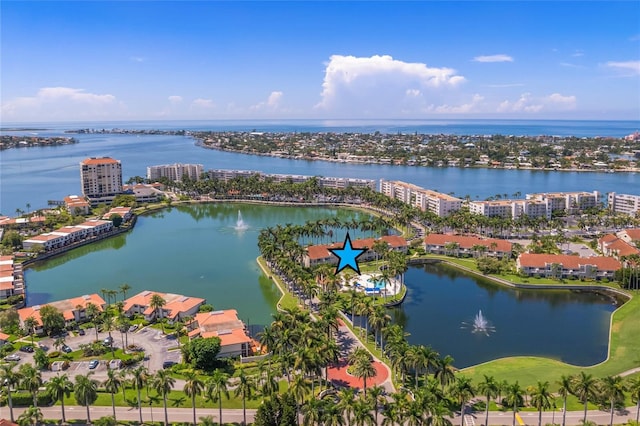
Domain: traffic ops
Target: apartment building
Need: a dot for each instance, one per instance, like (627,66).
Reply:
(425,199)
(66,235)
(613,245)
(175,172)
(570,202)
(176,306)
(101,179)
(510,208)
(76,205)
(466,246)
(11,277)
(320,254)
(225,325)
(73,309)
(324,182)
(565,266)
(623,203)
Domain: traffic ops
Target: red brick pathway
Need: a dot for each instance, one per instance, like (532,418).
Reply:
(338,376)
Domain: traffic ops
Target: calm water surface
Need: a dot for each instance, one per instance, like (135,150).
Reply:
(191,250)
(442,302)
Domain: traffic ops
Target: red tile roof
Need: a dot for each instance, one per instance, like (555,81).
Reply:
(634,234)
(104,160)
(534,260)
(467,242)
(322,251)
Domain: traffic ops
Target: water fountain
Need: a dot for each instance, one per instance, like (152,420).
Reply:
(480,325)
(240,225)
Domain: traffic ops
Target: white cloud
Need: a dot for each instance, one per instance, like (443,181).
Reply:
(201,103)
(381,86)
(493,58)
(60,103)
(175,99)
(632,66)
(578,53)
(470,107)
(137,59)
(499,86)
(529,104)
(272,103)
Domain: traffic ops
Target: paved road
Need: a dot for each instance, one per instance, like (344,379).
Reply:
(234,415)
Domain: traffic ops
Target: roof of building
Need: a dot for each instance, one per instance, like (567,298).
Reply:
(4,336)
(467,241)
(103,160)
(175,304)
(66,307)
(223,324)
(607,238)
(634,234)
(321,251)
(533,260)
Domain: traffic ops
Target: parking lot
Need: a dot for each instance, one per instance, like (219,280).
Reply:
(157,347)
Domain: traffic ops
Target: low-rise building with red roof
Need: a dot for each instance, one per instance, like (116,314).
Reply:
(612,245)
(77,205)
(124,212)
(74,309)
(466,245)
(564,266)
(234,340)
(11,278)
(176,306)
(320,254)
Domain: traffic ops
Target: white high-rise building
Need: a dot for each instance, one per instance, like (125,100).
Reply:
(175,172)
(101,179)
(624,203)
(425,199)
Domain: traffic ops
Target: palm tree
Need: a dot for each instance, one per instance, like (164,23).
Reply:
(362,413)
(157,303)
(244,388)
(60,387)
(364,369)
(163,383)
(445,372)
(514,398)
(30,325)
(612,388)
(489,388)
(124,288)
(463,391)
(193,387)
(112,384)
(31,381)
(215,387)
(376,395)
(139,380)
(585,388)
(9,378)
(85,392)
(541,398)
(564,390)
(93,313)
(30,416)
(207,421)
(633,386)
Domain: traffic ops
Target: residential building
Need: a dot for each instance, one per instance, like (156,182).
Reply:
(67,235)
(175,172)
(425,199)
(510,208)
(74,309)
(632,236)
(11,278)
(563,266)
(569,202)
(143,192)
(623,203)
(612,245)
(77,205)
(234,340)
(176,306)
(101,179)
(320,254)
(466,245)
(124,212)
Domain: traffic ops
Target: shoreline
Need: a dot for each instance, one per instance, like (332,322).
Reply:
(201,144)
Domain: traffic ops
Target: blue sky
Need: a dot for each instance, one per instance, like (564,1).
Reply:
(73,61)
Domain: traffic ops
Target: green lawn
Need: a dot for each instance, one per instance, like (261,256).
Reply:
(287,301)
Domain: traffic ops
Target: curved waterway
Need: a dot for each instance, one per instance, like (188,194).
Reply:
(196,250)
(442,303)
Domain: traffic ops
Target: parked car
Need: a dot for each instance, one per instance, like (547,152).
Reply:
(81,331)
(43,346)
(27,348)
(93,364)
(12,357)
(108,341)
(66,349)
(133,328)
(168,364)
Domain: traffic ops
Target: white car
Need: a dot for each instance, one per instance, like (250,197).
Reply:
(12,357)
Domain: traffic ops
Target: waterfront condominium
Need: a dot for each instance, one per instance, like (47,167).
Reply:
(101,179)
(175,172)
(424,199)
(569,202)
(623,203)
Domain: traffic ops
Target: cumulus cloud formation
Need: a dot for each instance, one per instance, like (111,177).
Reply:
(629,66)
(201,103)
(272,103)
(60,102)
(380,85)
(469,107)
(175,99)
(493,58)
(530,104)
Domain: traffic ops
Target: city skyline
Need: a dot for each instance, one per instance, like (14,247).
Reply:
(76,61)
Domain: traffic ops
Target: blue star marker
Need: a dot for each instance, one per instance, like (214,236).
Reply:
(348,256)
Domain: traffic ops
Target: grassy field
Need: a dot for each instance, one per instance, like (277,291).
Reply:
(287,300)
